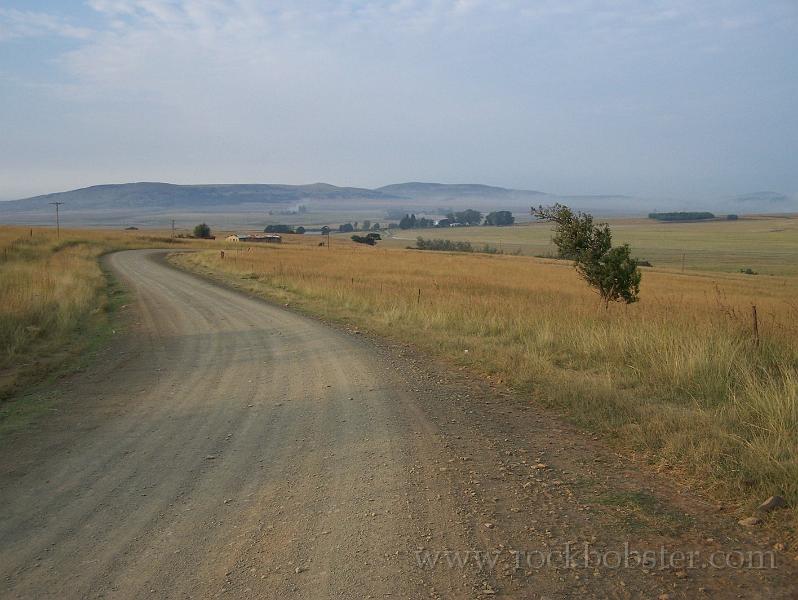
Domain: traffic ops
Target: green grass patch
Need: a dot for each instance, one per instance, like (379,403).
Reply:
(639,510)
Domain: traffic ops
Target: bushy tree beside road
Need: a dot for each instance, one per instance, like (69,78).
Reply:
(610,270)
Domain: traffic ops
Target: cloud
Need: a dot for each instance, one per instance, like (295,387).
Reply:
(16,24)
(507,91)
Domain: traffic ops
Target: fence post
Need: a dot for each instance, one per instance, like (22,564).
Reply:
(755,320)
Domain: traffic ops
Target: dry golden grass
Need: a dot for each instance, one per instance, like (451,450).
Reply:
(52,291)
(677,376)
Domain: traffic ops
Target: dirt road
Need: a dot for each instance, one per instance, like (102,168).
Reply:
(228,447)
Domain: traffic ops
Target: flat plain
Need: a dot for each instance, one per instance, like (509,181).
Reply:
(765,244)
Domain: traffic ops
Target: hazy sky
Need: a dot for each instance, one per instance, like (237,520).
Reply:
(660,98)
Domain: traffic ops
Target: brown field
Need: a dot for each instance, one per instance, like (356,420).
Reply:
(678,377)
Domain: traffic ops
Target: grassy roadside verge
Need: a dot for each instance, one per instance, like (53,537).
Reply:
(677,378)
(31,398)
(56,305)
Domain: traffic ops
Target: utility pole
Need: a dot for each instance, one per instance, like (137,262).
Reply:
(57,219)
(173,229)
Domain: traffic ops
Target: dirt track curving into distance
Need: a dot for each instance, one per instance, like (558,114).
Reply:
(228,447)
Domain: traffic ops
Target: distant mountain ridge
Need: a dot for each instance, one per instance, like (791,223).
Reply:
(168,195)
(774,199)
(416,189)
(146,202)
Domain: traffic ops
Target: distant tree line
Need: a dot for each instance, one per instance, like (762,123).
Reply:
(412,222)
(466,217)
(365,226)
(280,228)
(452,246)
(444,245)
(681,216)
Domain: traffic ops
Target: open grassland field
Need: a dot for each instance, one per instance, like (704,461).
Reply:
(767,245)
(54,296)
(677,377)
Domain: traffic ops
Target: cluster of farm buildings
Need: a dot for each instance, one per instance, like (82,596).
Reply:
(271,238)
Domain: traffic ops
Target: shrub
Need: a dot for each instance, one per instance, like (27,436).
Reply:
(365,239)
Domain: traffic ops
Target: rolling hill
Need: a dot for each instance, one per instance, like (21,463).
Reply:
(454,191)
(166,195)
(151,203)
(147,203)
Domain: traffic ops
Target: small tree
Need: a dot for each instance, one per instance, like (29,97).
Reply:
(611,271)
(202,231)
